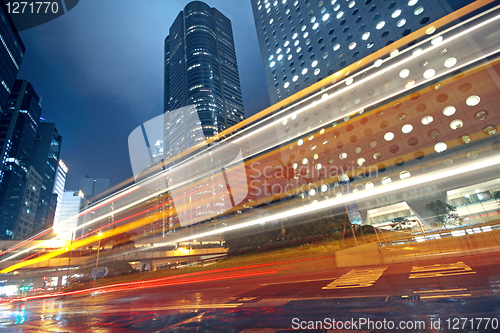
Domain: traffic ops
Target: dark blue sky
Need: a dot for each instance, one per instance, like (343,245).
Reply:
(99,70)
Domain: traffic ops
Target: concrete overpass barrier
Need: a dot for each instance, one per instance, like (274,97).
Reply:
(449,243)
(133,256)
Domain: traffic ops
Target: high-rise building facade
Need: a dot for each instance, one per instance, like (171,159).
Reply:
(58,189)
(91,187)
(202,97)
(18,129)
(27,213)
(44,159)
(72,203)
(11,55)
(304,41)
(200,70)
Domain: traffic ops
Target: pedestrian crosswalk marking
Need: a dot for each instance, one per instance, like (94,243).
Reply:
(357,278)
(422,272)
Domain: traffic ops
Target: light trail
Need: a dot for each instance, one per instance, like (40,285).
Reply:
(40,234)
(329,203)
(248,135)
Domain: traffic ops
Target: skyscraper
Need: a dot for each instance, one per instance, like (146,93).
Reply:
(72,203)
(91,187)
(202,97)
(17,137)
(59,184)
(44,159)
(304,41)
(11,56)
(200,70)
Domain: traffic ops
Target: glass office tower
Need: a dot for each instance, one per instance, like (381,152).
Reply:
(304,41)
(11,55)
(45,156)
(18,179)
(202,98)
(200,70)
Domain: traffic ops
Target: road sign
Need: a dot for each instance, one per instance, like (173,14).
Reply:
(101,272)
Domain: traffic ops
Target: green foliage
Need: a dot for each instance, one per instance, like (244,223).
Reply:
(310,229)
(444,213)
(122,267)
(85,269)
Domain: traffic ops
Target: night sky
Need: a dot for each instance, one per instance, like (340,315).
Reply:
(99,71)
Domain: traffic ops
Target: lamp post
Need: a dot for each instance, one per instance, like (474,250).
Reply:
(97,260)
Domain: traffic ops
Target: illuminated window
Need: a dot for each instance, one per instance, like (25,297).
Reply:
(429,73)
(404,174)
(404,73)
(438,40)
(427,120)
(418,10)
(380,25)
(450,62)
(481,115)
(396,13)
(472,155)
(440,146)
(464,139)
(455,124)
(490,130)
(407,128)
(473,100)
(449,111)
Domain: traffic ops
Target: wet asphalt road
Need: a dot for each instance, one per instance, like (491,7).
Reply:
(450,293)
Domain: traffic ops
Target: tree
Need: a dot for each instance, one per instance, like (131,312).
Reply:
(444,213)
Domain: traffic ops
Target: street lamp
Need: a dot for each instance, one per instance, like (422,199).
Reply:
(99,235)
